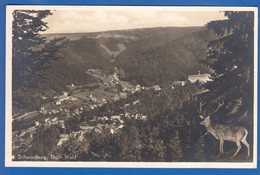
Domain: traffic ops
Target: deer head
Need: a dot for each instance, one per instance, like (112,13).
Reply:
(206,121)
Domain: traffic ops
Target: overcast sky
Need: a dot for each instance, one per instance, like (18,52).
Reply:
(94,20)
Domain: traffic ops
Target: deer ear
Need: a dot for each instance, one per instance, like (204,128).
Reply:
(202,117)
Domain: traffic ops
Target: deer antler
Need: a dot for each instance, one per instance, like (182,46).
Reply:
(219,105)
(200,109)
(205,113)
(201,104)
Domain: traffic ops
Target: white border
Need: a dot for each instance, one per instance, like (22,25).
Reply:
(8,102)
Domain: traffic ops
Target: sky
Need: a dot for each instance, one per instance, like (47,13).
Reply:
(95,20)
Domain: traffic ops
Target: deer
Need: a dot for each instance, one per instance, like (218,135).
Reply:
(223,133)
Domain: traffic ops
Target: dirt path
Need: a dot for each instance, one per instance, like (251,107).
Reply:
(121,48)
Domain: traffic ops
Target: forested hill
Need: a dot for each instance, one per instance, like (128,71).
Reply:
(166,56)
(146,56)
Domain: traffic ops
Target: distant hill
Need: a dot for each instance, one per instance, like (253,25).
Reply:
(146,56)
(164,55)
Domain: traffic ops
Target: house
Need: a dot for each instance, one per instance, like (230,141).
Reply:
(62,125)
(202,78)
(179,83)
(76,111)
(104,118)
(99,128)
(121,121)
(115,76)
(138,88)
(43,111)
(93,99)
(120,126)
(37,123)
(54,119)
(115,117)
(157,88)
(143,117)
(44,98)
(127,115)
(65,94)
(112,131)
(63,138)
(87,128)
(135,116)
(135,102)
(116,97)
(62,98)
(122,95)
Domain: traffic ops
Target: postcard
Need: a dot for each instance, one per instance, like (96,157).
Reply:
(131,86)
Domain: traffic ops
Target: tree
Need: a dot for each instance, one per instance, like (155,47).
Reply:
(32,52)
(231,58)
(45,141)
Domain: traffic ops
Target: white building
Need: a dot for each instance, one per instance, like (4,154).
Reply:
(179,83)
(63,138)
(202,78)
(135,102)
(157,88)
(115,117)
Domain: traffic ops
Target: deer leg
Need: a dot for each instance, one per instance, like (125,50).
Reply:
(220,147)
(238,148)
(247,145)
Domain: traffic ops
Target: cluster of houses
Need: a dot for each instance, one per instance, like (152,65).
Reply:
(110,80)
(46,111)
(116,122)
(115,125)
(54,121)
(136,116)
(49,111)
(75,134)
(65,97)
(99,128)
(96,102)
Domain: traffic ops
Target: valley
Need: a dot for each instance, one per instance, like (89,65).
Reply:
(107,83)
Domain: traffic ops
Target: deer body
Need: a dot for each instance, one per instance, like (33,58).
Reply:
(235,134)
(231,133)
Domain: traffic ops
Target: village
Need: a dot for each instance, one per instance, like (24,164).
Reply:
(73,103)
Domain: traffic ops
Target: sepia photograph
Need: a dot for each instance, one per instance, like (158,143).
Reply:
(131,86)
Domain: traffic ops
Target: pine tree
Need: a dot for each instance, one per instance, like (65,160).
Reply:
(231,58)
(31,51)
